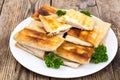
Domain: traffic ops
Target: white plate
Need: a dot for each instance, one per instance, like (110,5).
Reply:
(37,65)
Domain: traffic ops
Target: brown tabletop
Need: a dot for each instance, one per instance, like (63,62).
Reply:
(12,12)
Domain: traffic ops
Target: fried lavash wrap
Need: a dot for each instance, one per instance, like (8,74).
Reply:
(73,36)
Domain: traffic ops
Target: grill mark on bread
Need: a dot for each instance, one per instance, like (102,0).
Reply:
(74,32)
(81,34)
(74,52)
(35,33)
(45,10)
(34,38)
(82,55)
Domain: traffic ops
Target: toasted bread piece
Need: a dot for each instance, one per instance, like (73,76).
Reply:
(44,10)
(53,26)
(78,20)
(93,37)
(36,52)
(41,54)
(76,53)
(38,40)
(37,26)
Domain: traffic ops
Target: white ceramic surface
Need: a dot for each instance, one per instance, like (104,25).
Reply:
(37,65)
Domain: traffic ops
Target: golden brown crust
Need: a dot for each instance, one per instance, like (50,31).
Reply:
(44,10)
(53,25)
(78,20)
(94,36)
(81,34)
(50,22)
(38,39)
(73,52)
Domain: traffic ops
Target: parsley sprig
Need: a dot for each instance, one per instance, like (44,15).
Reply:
(86,13)
(52,61)
(61,12)
(99,54)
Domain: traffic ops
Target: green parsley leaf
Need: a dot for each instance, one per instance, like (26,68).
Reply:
(86,13)
(99,54)
(52,61)
(60,12)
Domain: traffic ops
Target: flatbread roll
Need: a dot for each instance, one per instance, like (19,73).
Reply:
(78,20)
(75,53)
(41,54)
(38,40)
(89,38)
(54,26)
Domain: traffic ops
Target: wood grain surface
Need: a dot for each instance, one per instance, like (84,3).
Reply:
(12,12)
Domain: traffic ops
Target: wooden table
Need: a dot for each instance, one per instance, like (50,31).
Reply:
(12,12)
